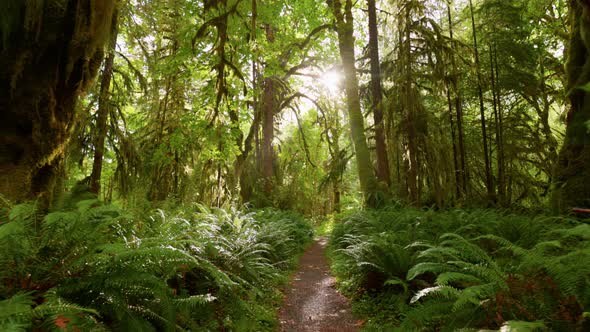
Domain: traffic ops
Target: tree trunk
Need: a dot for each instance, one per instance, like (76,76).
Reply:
(344,26)
(488,168)
(241,184)
(572,172)
(413,183)
(103,111)
(462,167)
(48,58)
(544,111)
(336,191)
(498,123)
(376,93)
(454,144)
(268,109)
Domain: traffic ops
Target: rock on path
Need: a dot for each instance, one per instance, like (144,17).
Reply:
(312,303)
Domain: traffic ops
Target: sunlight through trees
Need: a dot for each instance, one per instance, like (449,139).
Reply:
(149,149)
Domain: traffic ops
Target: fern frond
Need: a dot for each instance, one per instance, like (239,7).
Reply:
(19,305)
(420,317)
(426,267)
(447,278)
(441,292)
(522,326)
(474,295)
(194,302)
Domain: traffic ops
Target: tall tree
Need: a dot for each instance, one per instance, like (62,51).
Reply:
(488,169)
(50,52)
(269,107)
(103,110)
(497,105)
(461,165)
(248,145)
(376,94)
(411,111)
(572,172)
(345,29)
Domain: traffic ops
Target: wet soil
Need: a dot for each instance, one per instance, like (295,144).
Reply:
(311,301)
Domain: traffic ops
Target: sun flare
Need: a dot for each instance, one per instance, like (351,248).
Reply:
(331,80)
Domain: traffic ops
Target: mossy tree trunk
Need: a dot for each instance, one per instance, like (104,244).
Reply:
(376,94)
(241,184)
(345,29)
(50,51)
(571,181)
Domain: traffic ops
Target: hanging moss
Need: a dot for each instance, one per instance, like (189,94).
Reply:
(51,50)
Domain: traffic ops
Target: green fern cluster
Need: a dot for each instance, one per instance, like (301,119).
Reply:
(92,267)
(469,270)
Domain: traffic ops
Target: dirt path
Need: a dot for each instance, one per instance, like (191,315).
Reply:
(311,302)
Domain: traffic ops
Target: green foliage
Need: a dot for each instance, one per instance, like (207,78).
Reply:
(459,269)
(93,267)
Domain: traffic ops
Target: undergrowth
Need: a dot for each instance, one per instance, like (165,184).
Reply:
(94,267)
(411,270)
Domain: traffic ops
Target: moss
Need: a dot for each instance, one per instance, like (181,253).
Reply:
(572,179)
(51,51)
(571,187)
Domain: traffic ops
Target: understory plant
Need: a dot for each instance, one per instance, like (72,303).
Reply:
(464,270)
(93,267)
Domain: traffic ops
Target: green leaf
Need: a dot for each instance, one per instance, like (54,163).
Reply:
(522,326)
(397,281)
(585,87)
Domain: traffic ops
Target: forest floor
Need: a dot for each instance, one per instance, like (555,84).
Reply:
(311,301)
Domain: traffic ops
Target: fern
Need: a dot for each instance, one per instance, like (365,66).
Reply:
(16,311)
(522,326)
(447,278)
(92,263)
(426,267)
(442,292)
(472,269)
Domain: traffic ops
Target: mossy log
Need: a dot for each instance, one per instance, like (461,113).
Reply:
(571,187)
(49,52)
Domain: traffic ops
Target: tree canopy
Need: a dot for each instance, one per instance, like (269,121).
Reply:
(435,103)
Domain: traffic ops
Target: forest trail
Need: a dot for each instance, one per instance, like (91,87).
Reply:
(312,302)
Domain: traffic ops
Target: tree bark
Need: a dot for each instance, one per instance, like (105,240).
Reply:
(376,93)
(103,111)
(413,183)
(572,171)
(248,146)
(48,58)
(488,172)
(462,167)
(498,123)
(268,112)
(345,29)
(453,142)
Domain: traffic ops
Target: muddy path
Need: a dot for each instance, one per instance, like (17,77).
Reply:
(311,300)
